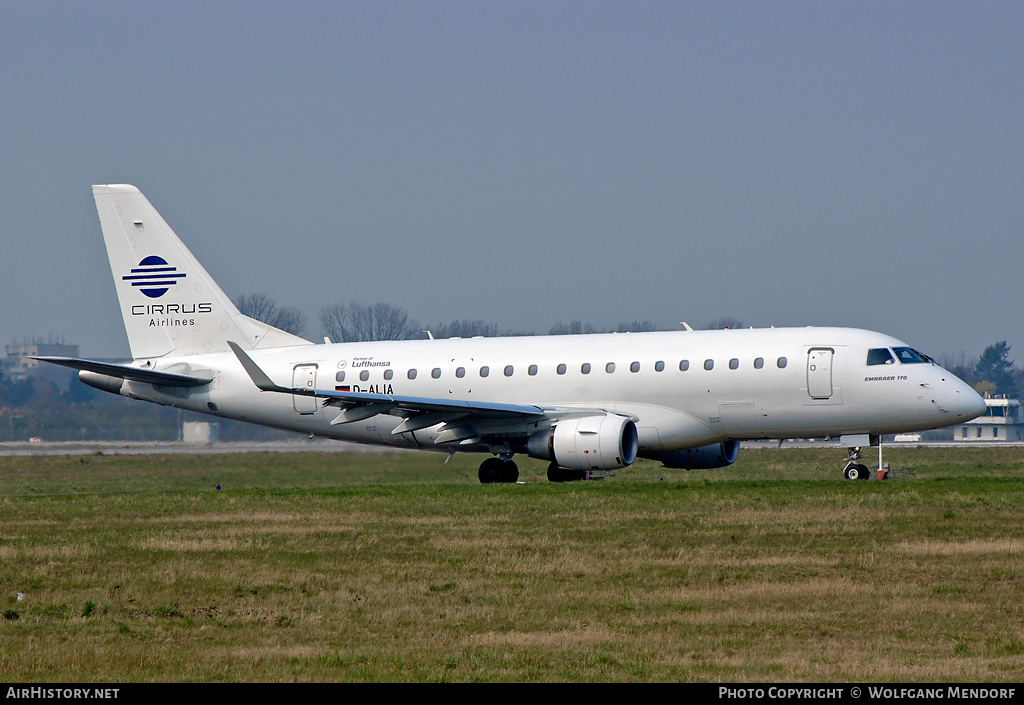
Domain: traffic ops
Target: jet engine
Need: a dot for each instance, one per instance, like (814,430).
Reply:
(102,382)
(716,455)
(589,443)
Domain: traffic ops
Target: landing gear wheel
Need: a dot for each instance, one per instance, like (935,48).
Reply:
(855,471)
(497,470)
(511,472)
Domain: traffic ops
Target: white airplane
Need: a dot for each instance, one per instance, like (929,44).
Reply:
(589,404)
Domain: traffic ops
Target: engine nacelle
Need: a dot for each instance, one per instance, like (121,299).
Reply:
(716,455)
(589,443)
(105,383)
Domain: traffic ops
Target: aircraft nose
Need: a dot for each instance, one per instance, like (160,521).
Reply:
(971,404)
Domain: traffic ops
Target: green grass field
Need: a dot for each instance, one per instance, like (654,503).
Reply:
(397,567)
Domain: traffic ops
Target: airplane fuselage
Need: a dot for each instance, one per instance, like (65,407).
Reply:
(683,389)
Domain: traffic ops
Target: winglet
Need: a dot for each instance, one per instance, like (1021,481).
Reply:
(258,376)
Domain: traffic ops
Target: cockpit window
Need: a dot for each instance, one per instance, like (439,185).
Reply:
(880,356)
(909,356)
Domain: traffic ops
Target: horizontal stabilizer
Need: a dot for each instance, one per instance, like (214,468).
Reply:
(164,379)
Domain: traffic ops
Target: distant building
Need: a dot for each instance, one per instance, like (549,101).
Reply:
(1003,421)
(198,433)
(19,365)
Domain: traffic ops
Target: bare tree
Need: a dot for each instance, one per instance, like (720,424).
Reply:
(572,328)
(258,306)
(724,324)
(263,308)
(354,322)
(334,321)
(962,365)
(289,319)
(635,327)
(577,328)
(465,329)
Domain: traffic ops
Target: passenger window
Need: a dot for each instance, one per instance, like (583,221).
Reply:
(389,373)
(734,364)
(634,367)
(782,362)
(684,365)
(758,363)
(659,366)
(585,368)
(340,377)
(509,370)
(709,364)
(364,375)
(560,369)
(460,372)
(610,367)
(436,373)
(484,371)
(532,371)
(879,356)
(411,374)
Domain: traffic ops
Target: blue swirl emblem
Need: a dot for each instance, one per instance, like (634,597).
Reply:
(154,276)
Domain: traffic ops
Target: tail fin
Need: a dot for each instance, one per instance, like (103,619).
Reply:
(169,303)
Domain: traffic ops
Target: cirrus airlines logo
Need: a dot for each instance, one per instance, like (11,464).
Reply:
(154,277)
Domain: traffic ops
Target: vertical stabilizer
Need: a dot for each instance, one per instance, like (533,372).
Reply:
(169,303)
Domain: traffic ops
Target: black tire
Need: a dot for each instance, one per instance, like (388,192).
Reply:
(510,473)
(856,471)
(497,470)
(491,470)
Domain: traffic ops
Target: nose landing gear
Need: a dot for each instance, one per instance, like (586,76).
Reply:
(856,470)
(853,469)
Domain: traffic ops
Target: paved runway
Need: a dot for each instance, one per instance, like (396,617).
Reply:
(301,445)
(319,445)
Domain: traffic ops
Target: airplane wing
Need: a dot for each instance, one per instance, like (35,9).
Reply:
(465,421)
(164,379)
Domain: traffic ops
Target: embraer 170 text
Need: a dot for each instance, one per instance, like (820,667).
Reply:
(586,403)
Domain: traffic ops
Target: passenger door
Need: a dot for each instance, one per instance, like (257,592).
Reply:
(304,377)
(819,372)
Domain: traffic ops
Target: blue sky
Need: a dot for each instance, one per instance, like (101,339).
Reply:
(781,163)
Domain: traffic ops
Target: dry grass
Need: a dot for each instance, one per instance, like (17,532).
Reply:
(749,579)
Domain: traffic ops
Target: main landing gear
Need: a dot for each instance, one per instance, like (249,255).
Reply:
(502,469)
(498,469)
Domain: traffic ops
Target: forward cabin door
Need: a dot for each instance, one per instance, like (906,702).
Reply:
(819,372)
(304,377)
